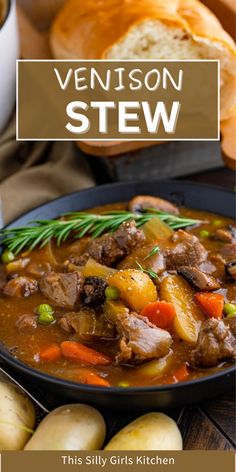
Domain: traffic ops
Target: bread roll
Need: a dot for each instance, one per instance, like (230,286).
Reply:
(146,29)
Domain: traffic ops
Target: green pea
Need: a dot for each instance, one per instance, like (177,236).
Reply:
(204,233)
(44,308)
(230,309)
(217,222)
(112,293)
(7,256)
(123,384)
(46,318)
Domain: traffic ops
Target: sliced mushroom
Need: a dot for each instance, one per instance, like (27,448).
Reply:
(198,278)
(226,235)
(230,269)
(140,203)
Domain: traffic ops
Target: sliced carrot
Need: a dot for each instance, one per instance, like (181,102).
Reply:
(170,380)
(160,313)
(181,373)
(78,352)
(91,378)
(50,353)
(211,303)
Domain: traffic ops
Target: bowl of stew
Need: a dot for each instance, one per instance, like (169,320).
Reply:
(123,295)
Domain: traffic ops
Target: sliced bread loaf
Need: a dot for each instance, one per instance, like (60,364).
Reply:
(146,29)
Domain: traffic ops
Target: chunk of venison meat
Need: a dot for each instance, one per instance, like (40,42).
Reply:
(199,279)
(110,248)
(230,268)
(142,202)
(228,252)
(142,255)
(87,325)
(188,251)
(215,344)
(74,262)
(105,250)
(64,289)
(140,340)
(128,236)
(208,266)
(94,291)
(20,287)
(26,322)
(231,323)
(226,235)
(77,256)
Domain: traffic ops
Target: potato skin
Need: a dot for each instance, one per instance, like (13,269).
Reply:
(16,413)
(75,427)
(136,288)
(153,431)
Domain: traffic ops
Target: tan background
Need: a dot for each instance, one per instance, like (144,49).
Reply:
(42,104)
(193,461)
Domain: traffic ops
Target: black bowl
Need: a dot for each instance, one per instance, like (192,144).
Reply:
(184,193)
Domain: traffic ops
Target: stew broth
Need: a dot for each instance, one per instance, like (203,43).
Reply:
(26,344)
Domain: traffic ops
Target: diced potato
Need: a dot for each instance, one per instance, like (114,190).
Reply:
(92,268)
(155,368)
(150,432)
(112,308)
(156,230)
(17,265)
(136,288)
(188,317)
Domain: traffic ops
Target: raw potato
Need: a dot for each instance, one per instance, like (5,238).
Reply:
(75,427)
(188,317)
(17,417)
(136,288)
(153,431)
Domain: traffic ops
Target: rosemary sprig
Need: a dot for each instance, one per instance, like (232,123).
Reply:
(154,251)
(79,224)
(149,272)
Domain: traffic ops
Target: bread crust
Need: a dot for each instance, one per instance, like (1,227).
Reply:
(88,29)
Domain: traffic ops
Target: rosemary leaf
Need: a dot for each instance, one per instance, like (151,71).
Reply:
(149,272)
(80,224)
(154,251)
